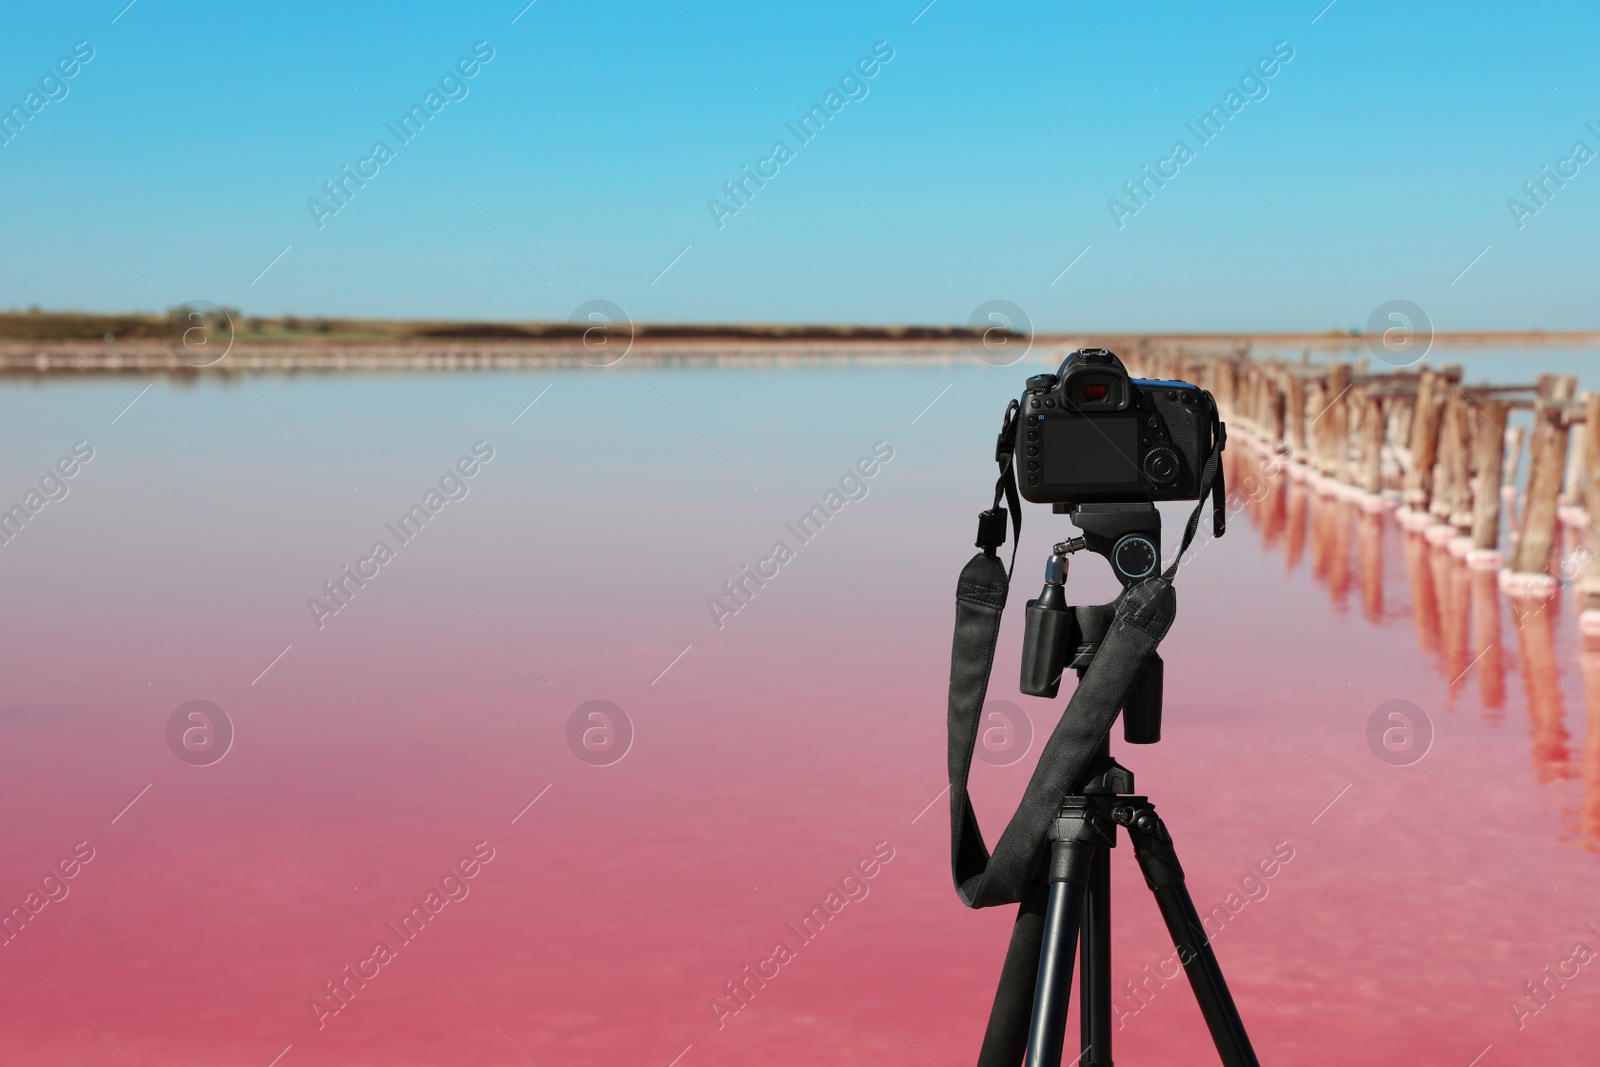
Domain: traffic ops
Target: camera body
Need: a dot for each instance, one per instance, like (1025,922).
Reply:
(1091,434)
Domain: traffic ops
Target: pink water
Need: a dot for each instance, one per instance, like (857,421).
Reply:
(767,760)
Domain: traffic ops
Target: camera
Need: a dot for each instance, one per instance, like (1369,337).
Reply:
(1090,434)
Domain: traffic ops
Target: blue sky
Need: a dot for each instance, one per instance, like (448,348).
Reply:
(977,166)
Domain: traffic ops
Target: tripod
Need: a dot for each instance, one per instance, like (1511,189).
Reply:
(1079,911)
(1078,907)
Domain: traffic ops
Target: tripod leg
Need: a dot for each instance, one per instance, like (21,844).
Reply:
(1072,854)
(1162,873)
(1094,988)
(1006,1039)
(1048,1028)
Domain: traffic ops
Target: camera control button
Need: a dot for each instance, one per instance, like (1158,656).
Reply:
(1033,464)
(1033,435)
(1033,403)
(1152,422)
(1161,466)
(1049,403)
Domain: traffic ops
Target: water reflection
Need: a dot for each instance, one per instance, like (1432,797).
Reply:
(1299,523)
(1330,546)
(1589,813)
(1450,583)
(1460,615)
(1424,603)
(1490,667)
(1369,541)
(1535,622)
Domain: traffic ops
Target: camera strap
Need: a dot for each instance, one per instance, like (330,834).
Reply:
(1142,616)
(992,523)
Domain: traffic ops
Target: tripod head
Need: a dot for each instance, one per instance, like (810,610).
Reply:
(1127,535)
(1059,636)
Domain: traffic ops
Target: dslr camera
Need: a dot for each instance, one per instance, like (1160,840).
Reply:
(1089,434)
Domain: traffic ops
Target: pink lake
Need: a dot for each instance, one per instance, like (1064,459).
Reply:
(378,746)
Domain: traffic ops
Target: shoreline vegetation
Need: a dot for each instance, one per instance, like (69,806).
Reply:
(36,342)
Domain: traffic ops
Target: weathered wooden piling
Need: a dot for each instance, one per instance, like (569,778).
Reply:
(1373,428)
(1589,587)
(1448,466)
(1461,479)
(1489,446)
(1425,422)
(1295,411)
(1338,419)
(1547,461)
(1573,491)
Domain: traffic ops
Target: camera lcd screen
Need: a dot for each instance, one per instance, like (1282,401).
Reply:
(1091,452)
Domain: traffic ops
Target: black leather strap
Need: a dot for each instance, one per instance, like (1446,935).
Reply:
(992,523)
(1212,480)
(1144,613)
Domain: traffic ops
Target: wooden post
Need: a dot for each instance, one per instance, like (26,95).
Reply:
(1250,399)
(1355,402)
(1263,410)
(1224,390)
(1573,493)
(1442,498)
(1425,422)
(1296,405)
(1372,427)
(1589,587)
(1401,411)
(1545,468)
(1316,431)
(1461,478)
(1339,416)
(1277,414)
(1490,447)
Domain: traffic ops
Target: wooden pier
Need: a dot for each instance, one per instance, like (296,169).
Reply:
(1430,445)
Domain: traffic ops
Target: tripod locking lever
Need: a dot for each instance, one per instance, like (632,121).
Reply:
(1051,632)
(1064,549)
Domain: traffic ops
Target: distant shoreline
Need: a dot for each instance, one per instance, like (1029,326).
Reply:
(672,346)
(37,326)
